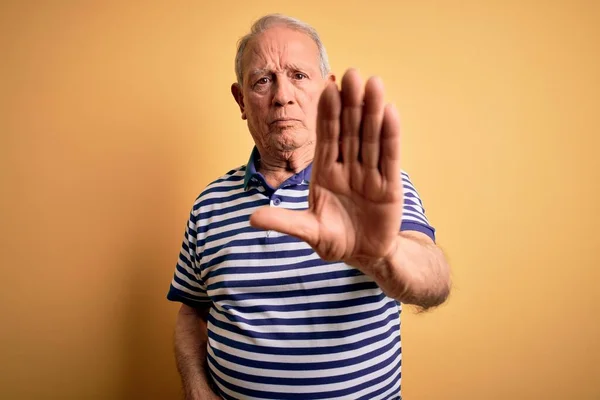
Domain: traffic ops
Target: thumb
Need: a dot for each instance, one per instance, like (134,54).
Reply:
(302,224)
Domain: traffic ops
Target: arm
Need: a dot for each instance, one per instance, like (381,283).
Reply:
(416,271)
(359,197)
(191,338)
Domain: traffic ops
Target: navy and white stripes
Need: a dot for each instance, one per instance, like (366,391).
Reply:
(284,324)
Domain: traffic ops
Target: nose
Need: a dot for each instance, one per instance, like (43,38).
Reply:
(284,92)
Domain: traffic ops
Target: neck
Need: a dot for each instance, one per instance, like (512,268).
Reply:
(277,168)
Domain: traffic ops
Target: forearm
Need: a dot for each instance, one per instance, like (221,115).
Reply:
(416,272)
(191,338)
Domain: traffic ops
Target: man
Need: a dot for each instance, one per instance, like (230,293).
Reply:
(293,267)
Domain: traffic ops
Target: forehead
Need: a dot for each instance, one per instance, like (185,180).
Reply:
(279,46)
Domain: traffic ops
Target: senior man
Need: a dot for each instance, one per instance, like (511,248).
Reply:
(294,266)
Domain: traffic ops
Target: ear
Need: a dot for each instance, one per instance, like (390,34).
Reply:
(330,77)
(236,91)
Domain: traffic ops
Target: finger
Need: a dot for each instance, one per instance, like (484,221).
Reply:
(328,126)
(389,163)
(372,120)
(301,224)
(352,99)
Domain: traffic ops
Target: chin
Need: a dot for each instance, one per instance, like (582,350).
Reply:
(287,147)
(289,139)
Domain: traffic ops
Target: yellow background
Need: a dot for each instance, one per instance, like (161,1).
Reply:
(113,117)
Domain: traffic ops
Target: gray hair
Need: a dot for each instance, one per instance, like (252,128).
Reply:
(267,22)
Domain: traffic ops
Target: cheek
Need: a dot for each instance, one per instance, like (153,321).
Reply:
(311,103)
(257,106)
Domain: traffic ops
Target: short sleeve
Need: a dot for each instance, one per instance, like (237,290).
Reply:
(186,285)
(413,212)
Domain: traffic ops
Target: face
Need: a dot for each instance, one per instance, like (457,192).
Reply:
(282,82)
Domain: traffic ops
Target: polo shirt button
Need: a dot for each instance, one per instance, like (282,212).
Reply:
(277,201)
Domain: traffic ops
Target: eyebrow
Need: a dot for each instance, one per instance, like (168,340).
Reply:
(259,71)
(262,71)
(300,67)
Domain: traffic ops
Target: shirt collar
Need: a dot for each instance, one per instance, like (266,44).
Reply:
(302,177)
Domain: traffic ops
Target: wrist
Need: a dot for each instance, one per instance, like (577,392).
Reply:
(386,271)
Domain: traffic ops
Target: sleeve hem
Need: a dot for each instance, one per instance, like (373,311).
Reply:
(413,226)
(175,297)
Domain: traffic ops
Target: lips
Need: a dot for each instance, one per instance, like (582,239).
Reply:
(283,121)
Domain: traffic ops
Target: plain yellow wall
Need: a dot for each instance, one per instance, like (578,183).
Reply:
(113,117)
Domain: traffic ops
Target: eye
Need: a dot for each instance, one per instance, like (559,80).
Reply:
(263,81)
(299,76)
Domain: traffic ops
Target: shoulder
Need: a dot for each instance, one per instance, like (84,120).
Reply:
(232,180)
(406,181)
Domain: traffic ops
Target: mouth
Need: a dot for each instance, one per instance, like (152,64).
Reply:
(283,121)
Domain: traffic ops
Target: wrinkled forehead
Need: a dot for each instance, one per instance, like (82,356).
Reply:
(278,48)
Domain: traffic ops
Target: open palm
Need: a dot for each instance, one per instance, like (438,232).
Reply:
(355,195)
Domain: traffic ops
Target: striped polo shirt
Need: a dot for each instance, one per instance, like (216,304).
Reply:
(283,323)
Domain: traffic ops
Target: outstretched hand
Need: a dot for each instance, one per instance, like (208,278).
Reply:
(355,194)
